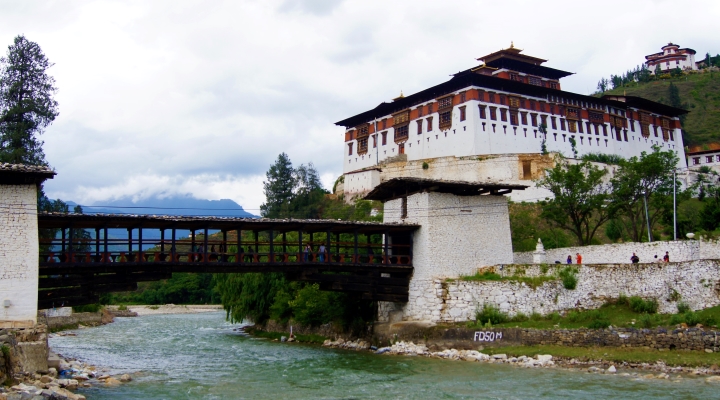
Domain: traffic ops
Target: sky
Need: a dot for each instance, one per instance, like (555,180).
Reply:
(198,98)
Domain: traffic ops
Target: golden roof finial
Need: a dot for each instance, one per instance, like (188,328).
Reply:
(512,44)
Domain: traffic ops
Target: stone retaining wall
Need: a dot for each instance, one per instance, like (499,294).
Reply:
(696,283)
(84,318)
(619,253)
(28,350)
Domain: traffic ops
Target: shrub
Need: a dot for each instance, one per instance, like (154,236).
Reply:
(622,299)
(554,317)
(574,316)
(122,307)
(691,318)
(490,314)
(569,277)
(536,316)
(647,320)
(87,308)
(674,296)
(639,305)
(485,276)
(683,308)
(519,317)
(425,165)
(599,323)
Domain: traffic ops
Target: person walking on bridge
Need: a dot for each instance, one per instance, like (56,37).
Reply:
(321,251)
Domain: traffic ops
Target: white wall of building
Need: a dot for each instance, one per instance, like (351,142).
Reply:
(479,137)
(19,251)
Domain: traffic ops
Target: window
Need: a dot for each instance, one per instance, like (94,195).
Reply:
(562,124)
(445,103)
(523,118)
(362,146)
(384,124)
(482,111)
(513,118)
(553,85)
(527,170)
(717,158)
(493,115)
(445,120)
(374,141)
(503,114)
(632,125)
(503,99)
(384,138)
(350,149)
(708,159)
(533,119)
(419,111)
(515,77)
(401,133)
(463,97)
(645,125)
(401,150)
(462,113)
(533,80)
(429,124)
(696,160)
(419,127)
(554,122)
(572,126)
(514,102)
(492,97)
(362,131)
(429,108)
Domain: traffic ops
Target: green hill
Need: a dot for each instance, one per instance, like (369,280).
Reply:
(699,92)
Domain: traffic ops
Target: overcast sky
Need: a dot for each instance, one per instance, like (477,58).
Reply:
(179,97)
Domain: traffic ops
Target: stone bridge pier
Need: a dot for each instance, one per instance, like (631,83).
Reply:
(464,226)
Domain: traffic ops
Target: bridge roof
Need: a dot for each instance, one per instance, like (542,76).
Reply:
(20,174)
(65,220)
(401,187)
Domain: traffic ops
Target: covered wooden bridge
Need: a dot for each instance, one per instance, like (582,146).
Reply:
(90,254)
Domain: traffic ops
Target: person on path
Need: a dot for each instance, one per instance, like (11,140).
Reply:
(634,259)
(306,251)
(569,259)
(666,257)
(578,258)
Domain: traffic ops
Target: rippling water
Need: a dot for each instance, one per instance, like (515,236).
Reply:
(199,356)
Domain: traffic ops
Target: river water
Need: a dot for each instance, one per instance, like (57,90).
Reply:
(201,356)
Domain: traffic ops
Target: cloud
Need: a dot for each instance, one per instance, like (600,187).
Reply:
(200,97)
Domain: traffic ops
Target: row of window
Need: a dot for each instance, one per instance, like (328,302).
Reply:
(708,159)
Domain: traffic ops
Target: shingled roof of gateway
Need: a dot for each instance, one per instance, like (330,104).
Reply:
(468,78)
(20,174)
(401,187)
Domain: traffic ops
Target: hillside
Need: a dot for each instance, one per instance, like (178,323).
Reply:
(701,93)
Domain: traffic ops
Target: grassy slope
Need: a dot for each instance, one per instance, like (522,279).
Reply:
(701,92)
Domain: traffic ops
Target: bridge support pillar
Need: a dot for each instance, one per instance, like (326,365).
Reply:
(19,248)
(458,234)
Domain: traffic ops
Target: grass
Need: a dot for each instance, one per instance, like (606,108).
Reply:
(619,314)
(532,281)
(684,358)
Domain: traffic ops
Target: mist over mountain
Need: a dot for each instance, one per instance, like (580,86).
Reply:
(169,206)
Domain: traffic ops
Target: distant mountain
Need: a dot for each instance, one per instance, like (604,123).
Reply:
(169,206)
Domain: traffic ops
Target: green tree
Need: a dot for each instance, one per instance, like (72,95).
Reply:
(580,196)
(278,188)
(647,178)
(27,105)
(307,199)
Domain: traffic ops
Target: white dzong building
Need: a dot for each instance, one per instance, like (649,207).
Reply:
(486,124)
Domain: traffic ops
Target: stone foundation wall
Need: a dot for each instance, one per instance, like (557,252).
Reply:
(696,283)
(72,320)
(437,338)
(28,349)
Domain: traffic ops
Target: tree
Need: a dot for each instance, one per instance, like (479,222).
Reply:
(648,178)
(580,198)
(27,105)
(278,188)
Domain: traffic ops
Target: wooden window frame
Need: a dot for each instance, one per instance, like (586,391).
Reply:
(445,120)
(429,124)
(481,108)
(462,113)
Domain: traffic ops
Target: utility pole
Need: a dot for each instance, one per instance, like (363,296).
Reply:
(647,216)
(674,205)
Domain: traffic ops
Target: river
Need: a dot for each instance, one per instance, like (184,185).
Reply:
(201,356)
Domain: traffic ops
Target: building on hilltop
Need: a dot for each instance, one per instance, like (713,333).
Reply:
(671,57)
(704,155)
(486,124)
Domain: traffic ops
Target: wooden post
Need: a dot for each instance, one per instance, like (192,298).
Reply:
(162,240)
(105,242)
(70,251)
(223,253)
(191,257)
(140,255)
(272,251)
(355,258)
(129,243)
(327,247)
(386,256)
(62,245)
(240,254)
(205,245)
(97,244)
(173,250)
(301,250)
(337,245)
